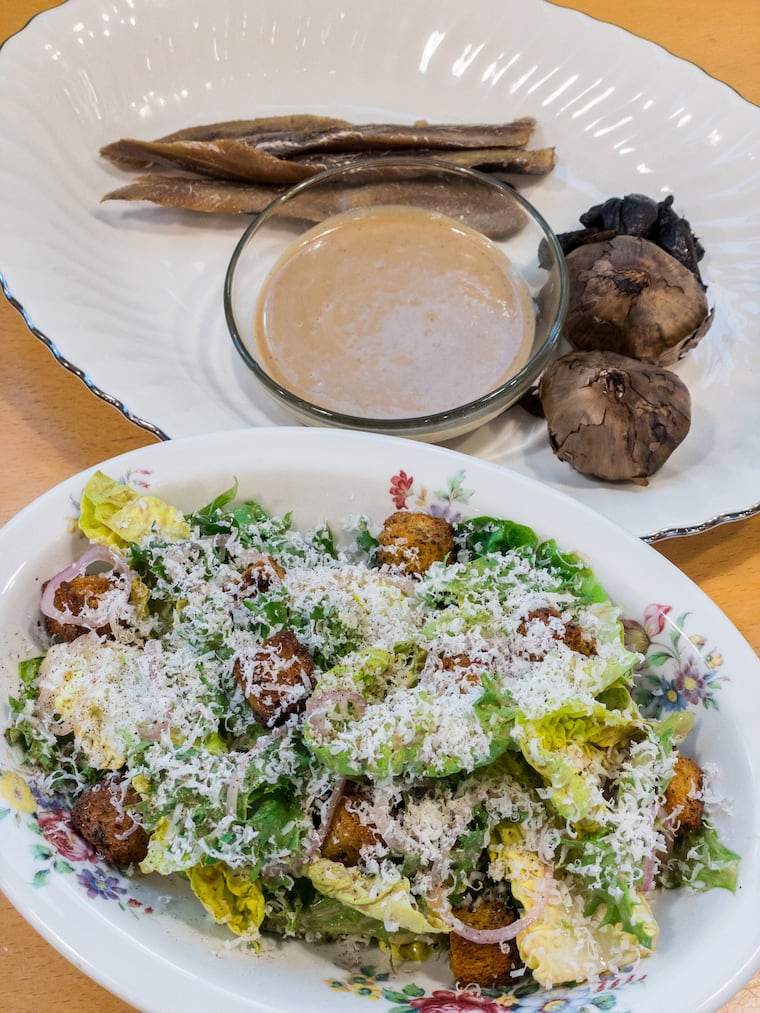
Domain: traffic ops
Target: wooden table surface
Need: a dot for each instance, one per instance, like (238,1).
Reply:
(51,427)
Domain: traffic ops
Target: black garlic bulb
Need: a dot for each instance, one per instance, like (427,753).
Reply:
(613,417)
(631,297)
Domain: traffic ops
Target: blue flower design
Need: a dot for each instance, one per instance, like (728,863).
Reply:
(55,800)
(98,883)
(576,1001)
(672,697)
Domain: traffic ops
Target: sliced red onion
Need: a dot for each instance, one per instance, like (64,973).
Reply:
(315,841)
(236,781)
(278,869)
(490,937)
(333,702)
(650,868)
(151,731)
(91,619)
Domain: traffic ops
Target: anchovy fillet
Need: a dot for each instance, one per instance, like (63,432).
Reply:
(468,202)
(259,126)
(239,166)
(532,162)
(225,158)
(195,193)
(394,136)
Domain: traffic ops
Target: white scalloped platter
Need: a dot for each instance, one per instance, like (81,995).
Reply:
(149,941)
(130,296)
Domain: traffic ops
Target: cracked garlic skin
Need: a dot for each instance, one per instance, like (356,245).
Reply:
(613,417)
(629,296)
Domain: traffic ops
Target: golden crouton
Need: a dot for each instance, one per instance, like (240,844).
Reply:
(683,801)
(103,816)
(412,542)
(347,834)
(683,795)
(463,670)
(573,635)
(483,964)
(277,679)
(261,575)
(83,592)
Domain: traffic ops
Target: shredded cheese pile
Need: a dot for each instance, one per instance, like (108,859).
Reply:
(481,742)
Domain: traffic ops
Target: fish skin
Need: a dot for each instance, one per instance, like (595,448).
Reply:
(394,136)
(238,168)
(250,128)
(196,193)
(243,159)
(524,161)
(245,149)
(468,204)
(225,158)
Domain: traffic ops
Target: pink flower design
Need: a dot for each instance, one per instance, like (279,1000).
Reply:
(401,484)
(654,618)
(57,830)
(442,1001)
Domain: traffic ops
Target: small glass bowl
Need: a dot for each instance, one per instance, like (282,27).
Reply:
(476,199)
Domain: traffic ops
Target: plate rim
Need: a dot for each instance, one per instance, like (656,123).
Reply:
(655,533)
(315,437)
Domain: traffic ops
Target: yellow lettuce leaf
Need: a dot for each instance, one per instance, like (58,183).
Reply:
(113,514)
(390,903)
(229,897)
(563,944)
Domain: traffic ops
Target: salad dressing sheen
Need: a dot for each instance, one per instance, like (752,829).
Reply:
(393,312)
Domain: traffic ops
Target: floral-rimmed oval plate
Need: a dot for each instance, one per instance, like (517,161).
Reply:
(130,296)
(149,941)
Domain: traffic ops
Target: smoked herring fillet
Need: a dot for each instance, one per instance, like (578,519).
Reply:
(393,136)
(532,162)
(194,193)
(225,158)
(469,204)
(197,146)
(250,128)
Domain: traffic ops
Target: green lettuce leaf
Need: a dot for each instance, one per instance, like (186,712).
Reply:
(389,903)
(569,749)
(339,735)
(113,514)
(700,861)
(299,909)
(483,536)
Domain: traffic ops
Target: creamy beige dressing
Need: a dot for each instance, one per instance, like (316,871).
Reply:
(393,312)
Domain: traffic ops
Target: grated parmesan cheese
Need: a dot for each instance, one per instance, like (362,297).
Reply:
(482,744)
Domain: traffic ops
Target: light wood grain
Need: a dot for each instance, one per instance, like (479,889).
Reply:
(51,427)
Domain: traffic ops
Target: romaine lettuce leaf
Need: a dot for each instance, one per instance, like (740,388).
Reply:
(571,749)
(230,897)
(113,514)
(390,903)
(370,717)
(566,942)
(700,861)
